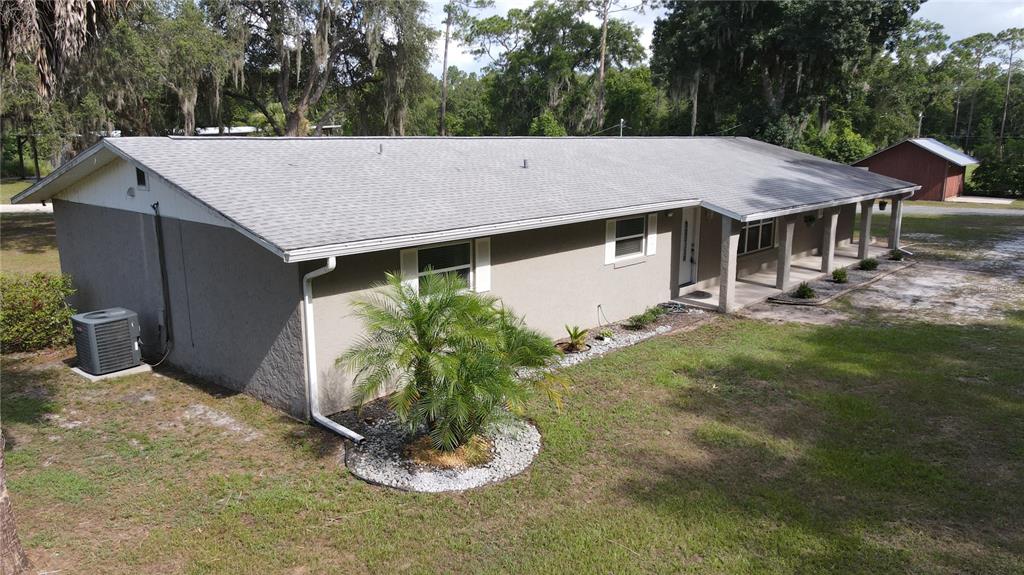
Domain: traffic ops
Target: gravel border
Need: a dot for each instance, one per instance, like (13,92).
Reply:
(379,460)
(828,290)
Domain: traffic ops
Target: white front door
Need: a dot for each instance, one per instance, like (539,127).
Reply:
(688,245)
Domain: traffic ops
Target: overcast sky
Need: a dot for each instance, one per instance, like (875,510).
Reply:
(961,18)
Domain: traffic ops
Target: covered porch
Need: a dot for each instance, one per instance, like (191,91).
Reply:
(790,263)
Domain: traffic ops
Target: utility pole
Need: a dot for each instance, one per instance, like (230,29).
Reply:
(622,124)
(920,117)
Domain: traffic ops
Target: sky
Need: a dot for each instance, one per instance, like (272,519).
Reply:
(961,18)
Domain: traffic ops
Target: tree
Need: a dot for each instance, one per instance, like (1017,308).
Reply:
(604,9)
(12,556)
(1012,41)
(457,13)
(972,53)
(191,52)
(454,355)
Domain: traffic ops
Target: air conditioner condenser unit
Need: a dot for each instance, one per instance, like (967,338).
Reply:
(107,340)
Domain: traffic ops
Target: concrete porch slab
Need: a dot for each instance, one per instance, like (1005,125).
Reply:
(141,368)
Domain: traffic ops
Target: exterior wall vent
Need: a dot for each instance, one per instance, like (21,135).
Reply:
(107,340)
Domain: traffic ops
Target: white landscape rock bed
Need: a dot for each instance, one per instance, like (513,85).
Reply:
(380,459)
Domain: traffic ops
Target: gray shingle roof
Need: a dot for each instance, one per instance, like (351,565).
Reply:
(300,193)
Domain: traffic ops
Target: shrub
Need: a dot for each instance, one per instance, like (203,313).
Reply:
(34,313)
(804,291)
(455,354)
(642,320)
(606,334)
(839,276)
(577,338)
(896,255)
(868,264)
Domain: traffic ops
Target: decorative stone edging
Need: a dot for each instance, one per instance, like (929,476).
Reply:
(786,299)
(380,459)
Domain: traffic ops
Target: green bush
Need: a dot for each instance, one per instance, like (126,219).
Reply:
(455,353)
(33,311)
(839,276)
(868,264)
(804,291)
(896,255)
(577,337)
(642,320)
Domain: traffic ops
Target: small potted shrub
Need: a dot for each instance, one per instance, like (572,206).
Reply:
(896,255)
(839,276)
(868,264)
(804,291)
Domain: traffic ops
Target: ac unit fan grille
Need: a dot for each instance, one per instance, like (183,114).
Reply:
(114,345)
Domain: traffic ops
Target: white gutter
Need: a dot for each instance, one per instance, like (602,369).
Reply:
(904,192)
(312,387)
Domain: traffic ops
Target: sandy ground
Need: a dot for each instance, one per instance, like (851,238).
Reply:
(983,286)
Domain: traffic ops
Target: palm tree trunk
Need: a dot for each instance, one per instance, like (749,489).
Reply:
(599,107)
(12,556)
(1006,103)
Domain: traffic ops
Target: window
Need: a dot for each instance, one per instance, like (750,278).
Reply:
(629,237)
(757,235)
(447,259)
(140,177)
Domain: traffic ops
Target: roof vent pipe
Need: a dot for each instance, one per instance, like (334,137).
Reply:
(312,385)
(524,163)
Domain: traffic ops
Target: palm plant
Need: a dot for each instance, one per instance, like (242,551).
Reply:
(577,337)
(452,354)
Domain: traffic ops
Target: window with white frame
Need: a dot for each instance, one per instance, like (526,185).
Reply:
(455,258)
(630,235)
(756,236)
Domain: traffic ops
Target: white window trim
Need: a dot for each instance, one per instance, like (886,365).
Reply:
(775,235)
(611,240)
(479,265)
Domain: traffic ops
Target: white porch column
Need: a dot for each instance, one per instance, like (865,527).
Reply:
(828,240)
(727,275)
(866,207)
(895,223)
(784,256)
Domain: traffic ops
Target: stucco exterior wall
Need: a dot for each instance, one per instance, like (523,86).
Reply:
(553,277)
(235,316)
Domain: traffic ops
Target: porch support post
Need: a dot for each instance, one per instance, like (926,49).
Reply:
(784,256)
(828,240)
(727,275)
(866,207)
(895,223)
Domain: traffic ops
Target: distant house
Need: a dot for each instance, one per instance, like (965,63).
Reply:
(927,162)
(242,256)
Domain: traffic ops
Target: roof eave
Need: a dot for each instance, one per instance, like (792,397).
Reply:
(398,242)
(78,167)
(810,207)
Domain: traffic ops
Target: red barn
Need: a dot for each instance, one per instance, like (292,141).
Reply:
(936,167)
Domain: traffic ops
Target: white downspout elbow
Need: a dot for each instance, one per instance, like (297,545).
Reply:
(312,385)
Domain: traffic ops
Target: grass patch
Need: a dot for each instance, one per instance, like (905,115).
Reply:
(10,189)
(28,243)
(63,486)
(1015,205)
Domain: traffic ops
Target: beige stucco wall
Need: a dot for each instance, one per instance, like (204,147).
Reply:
(553,277)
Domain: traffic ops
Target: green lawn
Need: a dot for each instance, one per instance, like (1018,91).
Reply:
(8,190)
(28,243)
(874,446)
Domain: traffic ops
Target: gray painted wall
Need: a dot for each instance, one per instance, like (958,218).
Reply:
(553,276)
(235,312)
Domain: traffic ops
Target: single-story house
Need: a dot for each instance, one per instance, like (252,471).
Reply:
(242,255)
(927,162)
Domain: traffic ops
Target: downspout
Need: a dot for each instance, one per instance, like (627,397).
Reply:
(312,387)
